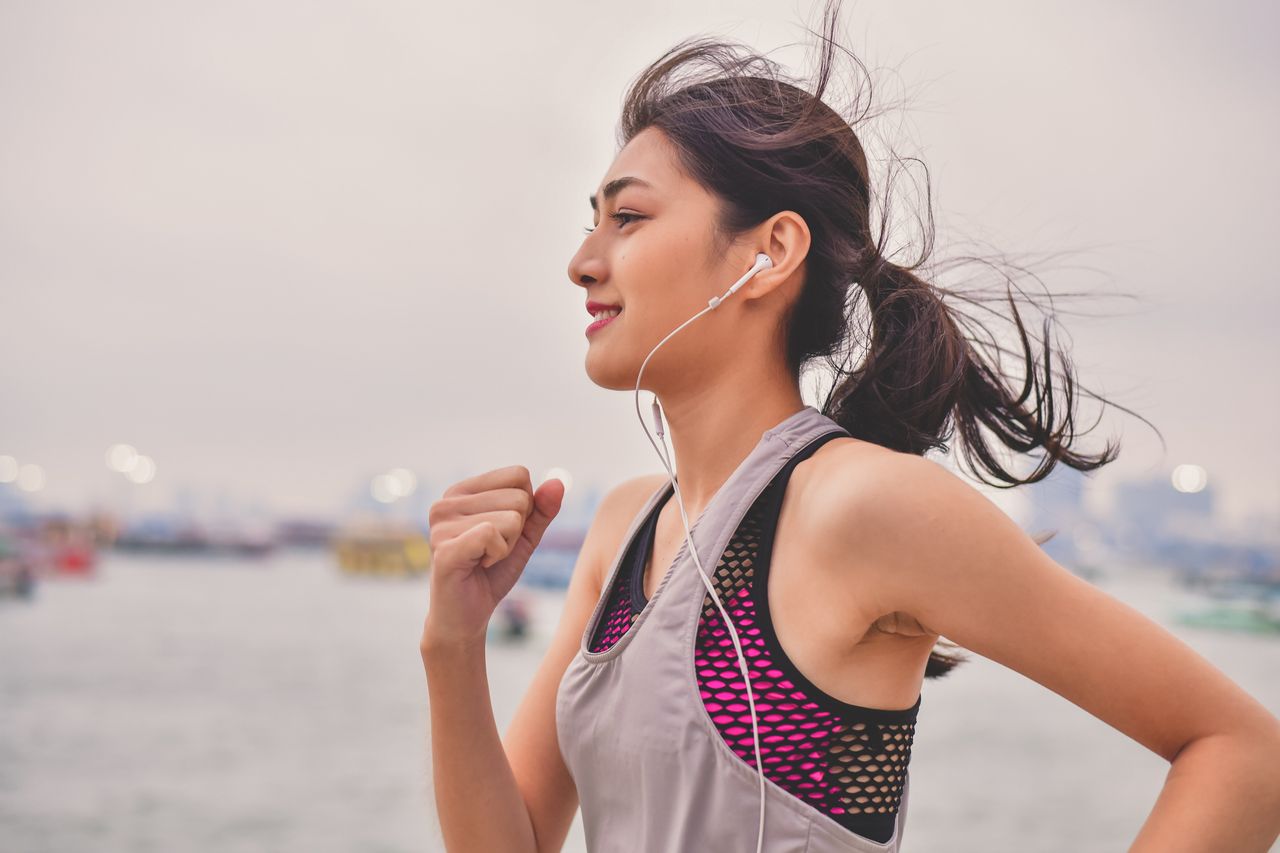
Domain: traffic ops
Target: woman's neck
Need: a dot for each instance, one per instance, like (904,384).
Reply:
(712,433)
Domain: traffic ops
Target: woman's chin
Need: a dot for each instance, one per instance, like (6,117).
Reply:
(608,374)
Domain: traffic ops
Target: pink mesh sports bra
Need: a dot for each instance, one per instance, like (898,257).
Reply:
(847,761)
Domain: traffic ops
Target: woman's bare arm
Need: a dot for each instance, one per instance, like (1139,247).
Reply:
(924,542)
(515,794)
(477,800)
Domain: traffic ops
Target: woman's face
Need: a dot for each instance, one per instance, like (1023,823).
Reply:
(651,254)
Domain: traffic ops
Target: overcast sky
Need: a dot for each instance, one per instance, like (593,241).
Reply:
(283,246)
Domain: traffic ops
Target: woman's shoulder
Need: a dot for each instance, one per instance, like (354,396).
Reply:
(619,507)
(842,496)
(620,504)
(854,468)
(868,492)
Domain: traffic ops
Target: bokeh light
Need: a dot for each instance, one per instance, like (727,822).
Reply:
(1189,478)
(143,470)
(122,457)
(31,477)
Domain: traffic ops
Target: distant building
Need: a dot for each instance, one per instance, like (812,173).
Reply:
(1147,513)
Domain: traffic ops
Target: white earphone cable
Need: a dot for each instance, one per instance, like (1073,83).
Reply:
(762,262)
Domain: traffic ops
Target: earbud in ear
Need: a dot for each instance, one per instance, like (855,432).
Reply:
(763,262)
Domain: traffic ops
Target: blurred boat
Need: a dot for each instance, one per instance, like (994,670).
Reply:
(382,549)
(168,535)
(512,621)
(17,574)
(1250,618)
(69,547)
(1238,606)
(47,545)
(304,533)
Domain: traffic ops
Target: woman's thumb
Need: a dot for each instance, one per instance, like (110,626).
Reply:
(547,500)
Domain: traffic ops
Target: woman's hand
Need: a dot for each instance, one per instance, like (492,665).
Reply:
(484,529)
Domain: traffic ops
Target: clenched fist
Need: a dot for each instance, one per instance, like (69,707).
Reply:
(484,529)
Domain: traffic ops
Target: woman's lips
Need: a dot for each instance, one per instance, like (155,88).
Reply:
(601,323)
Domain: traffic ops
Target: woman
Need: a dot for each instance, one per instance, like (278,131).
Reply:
(838,553)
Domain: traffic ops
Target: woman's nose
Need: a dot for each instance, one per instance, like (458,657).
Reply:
(586,268)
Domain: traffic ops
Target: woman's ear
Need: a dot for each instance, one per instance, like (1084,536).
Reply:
(784,237)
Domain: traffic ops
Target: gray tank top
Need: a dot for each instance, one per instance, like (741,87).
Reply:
(654,770)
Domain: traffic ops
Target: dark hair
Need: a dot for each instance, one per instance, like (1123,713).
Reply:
(761,143)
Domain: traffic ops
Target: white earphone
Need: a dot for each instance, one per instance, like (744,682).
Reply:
(763,262)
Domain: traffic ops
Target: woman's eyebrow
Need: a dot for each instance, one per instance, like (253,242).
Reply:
(616,185)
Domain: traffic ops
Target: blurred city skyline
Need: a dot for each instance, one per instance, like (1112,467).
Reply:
(283,248)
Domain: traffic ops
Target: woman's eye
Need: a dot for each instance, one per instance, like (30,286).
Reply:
(619,217)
